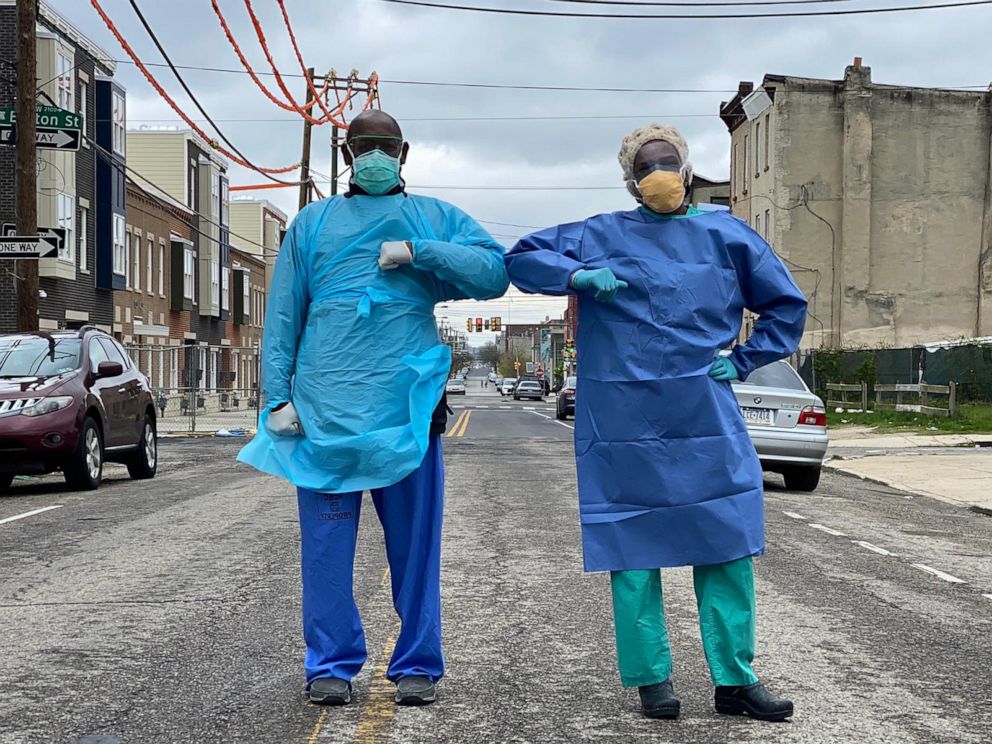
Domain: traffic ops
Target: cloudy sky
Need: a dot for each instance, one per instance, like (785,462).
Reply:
(462,136)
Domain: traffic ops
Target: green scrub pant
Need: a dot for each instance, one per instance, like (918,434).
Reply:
(725,598)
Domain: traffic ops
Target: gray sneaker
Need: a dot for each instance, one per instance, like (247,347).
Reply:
(329,691)
(415,691)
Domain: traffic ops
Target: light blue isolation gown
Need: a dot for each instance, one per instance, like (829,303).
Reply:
(356,347)
(667,473)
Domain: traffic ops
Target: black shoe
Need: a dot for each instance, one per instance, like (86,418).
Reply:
(329,691)
(752,700)
(659,701)
(415,691)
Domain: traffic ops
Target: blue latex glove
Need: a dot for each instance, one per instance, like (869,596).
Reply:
(602,280)
(724,370)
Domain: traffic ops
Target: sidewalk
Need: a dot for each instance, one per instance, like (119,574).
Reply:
(960,473)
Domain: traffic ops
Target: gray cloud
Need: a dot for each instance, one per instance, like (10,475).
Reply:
(932,48)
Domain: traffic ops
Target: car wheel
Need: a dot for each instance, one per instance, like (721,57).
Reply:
(144,462)
(560,414)
(516,397)
(802,479)
(5,480)
(84,468)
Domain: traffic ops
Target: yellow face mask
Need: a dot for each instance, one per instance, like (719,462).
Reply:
(662,191)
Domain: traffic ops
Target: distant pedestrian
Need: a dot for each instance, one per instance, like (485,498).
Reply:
(667,474)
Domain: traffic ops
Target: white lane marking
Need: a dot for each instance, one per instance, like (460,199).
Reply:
(529,408)
(536,413)
(482,406)
(987,596)
(939,574)
(30,513)
(506,408)
(872,548)
(567,426)
(828,530)
(793,515)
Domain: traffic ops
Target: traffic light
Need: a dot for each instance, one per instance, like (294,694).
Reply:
(497,324)
(478,325)
(468,324)
(487,324)
(516,365)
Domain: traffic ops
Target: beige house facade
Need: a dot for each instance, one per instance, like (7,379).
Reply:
(879,199)
(257,226)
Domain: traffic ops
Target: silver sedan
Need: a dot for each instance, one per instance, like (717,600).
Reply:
(787,424)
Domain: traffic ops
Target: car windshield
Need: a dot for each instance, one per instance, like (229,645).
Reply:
(30,357)
(570,382)
(776,375)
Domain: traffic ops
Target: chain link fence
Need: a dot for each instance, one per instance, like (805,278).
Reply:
(202,389)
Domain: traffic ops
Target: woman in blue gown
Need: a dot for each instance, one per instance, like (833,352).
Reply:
(667,473)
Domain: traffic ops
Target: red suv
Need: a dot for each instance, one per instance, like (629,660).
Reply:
(69,401)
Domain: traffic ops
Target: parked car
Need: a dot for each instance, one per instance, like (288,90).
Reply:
(506,387)
(787,424)
(455,386)
(72,401)
(528,389)
(565,404)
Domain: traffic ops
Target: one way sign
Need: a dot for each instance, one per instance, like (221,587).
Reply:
(46,138)
(28,246)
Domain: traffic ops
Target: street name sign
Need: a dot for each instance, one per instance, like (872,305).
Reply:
(27,246)
(57,129)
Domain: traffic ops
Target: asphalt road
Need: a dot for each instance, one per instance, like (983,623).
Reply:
(168,610)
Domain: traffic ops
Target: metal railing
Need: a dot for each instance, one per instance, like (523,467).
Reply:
(202,388)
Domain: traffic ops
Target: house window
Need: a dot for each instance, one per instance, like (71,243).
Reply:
(224,202)
(148,266)
(136,265)
(768,126)
(745,172)
(246,301)
(161,269)
(83,248)
(83,103)
(214,284)
(66,217)
(188,273)
(173,368)
(757,148)
(733,168)
(119,123)
(768,223)
(214,194)
(65,83)
(225,287)
(120,246)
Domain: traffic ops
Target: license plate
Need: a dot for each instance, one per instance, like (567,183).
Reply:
(760,416)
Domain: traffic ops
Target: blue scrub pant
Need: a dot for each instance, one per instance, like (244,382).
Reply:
(410,513)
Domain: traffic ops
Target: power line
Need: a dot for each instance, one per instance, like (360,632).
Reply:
(553,88)
(684,16)
(723,3)
(407,119)
(196,102)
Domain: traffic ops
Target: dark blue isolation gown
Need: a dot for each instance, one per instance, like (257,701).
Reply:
(667,473)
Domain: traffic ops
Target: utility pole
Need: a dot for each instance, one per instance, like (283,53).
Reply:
(335,146)
(26,161)
(305,160)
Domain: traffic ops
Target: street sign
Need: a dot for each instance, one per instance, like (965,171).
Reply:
(55,235)
(27,246)
(57,129)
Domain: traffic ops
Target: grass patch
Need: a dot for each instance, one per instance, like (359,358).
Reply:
(971,418)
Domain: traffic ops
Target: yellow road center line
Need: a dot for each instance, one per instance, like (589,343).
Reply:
(468,415)
(457,423)
(378,712)
(321,720)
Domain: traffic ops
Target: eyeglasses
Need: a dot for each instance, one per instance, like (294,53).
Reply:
(363,144)
(671,167)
